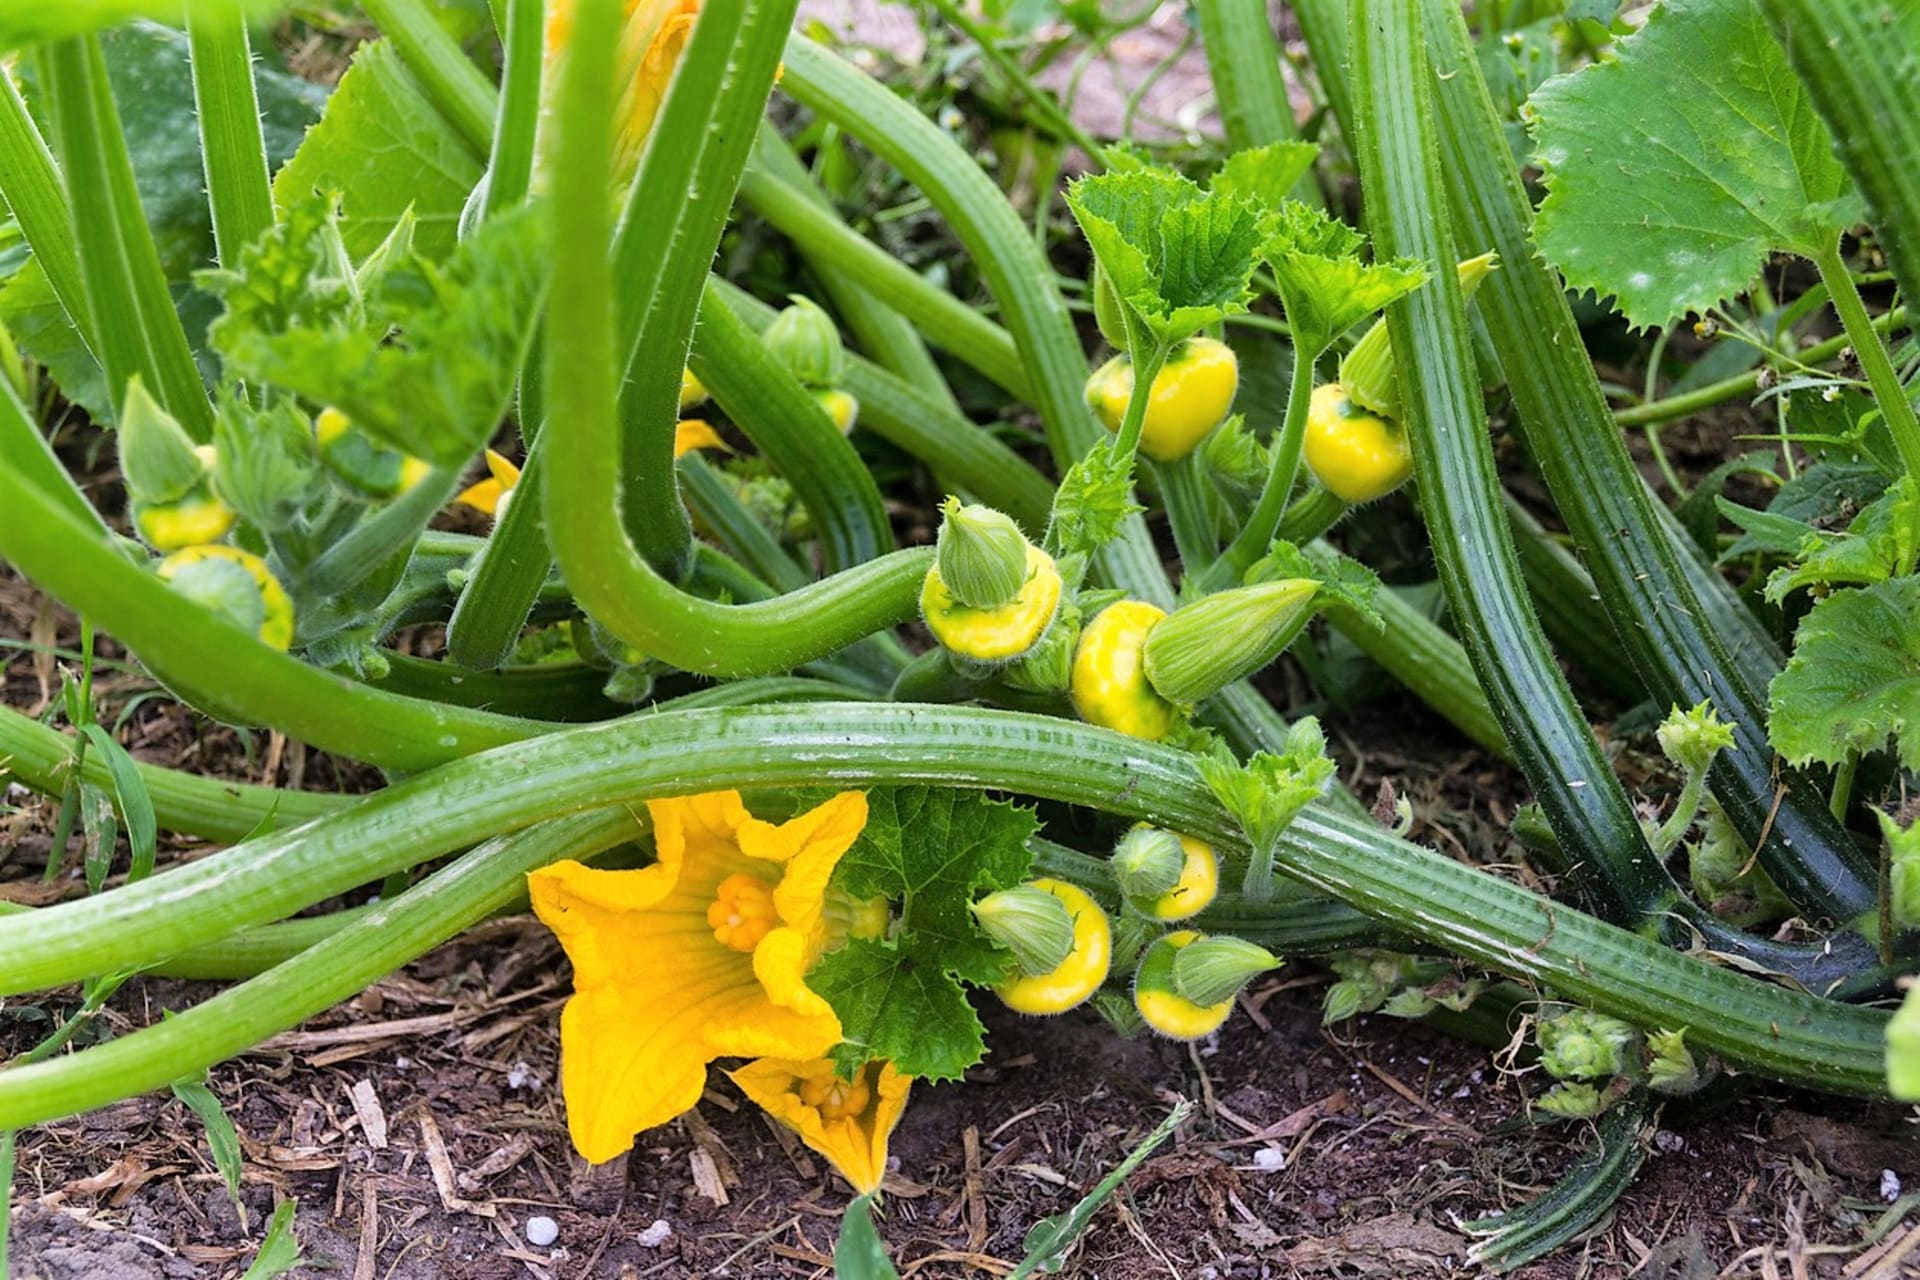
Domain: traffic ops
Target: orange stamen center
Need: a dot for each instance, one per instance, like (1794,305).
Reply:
(742,911)
(837,1099)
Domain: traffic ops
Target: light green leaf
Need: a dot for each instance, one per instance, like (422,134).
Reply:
(1675,168)
(1882,542)
(1094,499)
(1180,256)
(1265,175)
(1324,285)
(423,362)
(384,148)
(1854,680)
(130,794)
(223,1141)
(859,1254)
(279,1252)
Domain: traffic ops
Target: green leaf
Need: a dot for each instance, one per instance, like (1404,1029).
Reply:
(1269,790)
(385,149)
(895,1005)
(135,805)
(1674,169)
(423,361)
(1180,256)
(279,1252)
(222,1139)
(1324,285)
(1344,581)
(1265,175)
(1882,542)
(1094,499)
(929,852)
(1854,680)
(1050,1239)
(30,22)
(859,1254)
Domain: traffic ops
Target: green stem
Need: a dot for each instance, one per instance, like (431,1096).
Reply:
(1777,1032)
(332,969)
(1843,786)
(451,80)
(1050,110)
(1257,534)
(517,119)
(136,327)
(1685,809)
(505,575)
(1745,384)
(1312,515)
(947,322)
(1892,398)
(1149,357)
(232,148)
(1183,491)
(36,194)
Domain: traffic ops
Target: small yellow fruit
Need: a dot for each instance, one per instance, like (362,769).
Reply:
(198,518)
(1000,634)
(1191,396)
(1084,969)
(1197,887)
(841,407)
(1357,455)
(1165,1009)
(276,622)
(1109,685)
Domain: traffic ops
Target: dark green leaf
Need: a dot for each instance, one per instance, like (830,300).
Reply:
(895,1005)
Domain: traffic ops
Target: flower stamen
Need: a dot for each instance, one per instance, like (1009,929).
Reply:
(837,1099)
(742,911)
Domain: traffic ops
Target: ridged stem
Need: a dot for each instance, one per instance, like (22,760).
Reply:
(1244,56)
(232,148)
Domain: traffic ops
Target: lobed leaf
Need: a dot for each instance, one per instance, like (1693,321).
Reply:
(1854,680)
(1674,169)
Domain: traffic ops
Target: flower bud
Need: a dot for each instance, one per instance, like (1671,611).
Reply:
(1670,1064)
(1367,371)
(1108,312)
(1080,972)
(1215,969)
(1157,992)
(1579,1044)
(1032,923)
(982,555)
(1574,1101)
(807,342)
(236,585)
(1343,1000)
(1146,863)
(156,455)
(1205,646)
(1691,739)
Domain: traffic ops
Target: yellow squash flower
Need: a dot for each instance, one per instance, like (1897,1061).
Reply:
(702,955)
(847,1121)
(651,43)
(489,496)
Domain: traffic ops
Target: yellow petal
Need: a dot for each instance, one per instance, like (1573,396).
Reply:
(483,496)
(811,845)
(696,433)
(781,962)
(502,470)
(856,1145)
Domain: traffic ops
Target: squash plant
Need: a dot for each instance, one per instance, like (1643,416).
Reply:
(736,744)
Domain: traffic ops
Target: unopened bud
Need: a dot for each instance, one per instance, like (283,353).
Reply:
(1032,923)
(156,454)
(1368,371)
(1582,1045)
(1212,970)
(807,341)
(1692,738)
(982,555)
(1205,646)
(1574,1101)
(1147,861)
(1670,1064)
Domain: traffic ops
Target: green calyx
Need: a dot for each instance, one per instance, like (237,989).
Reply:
(1147,862)
(224,589)
(807,342)
(1367,371)
(982,555)
(1691,739)
(1032,923)
(157,456)
(1579,1044)
(1214,969)
(1203,647)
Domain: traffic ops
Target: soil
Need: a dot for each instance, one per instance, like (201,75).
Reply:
(418,1128)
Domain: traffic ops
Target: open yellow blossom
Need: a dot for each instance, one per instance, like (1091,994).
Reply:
(700,956)
(847,1121)
(651,43)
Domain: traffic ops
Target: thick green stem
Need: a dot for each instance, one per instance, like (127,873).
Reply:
(517,119)
(1184,493)
(451,80)
(35,192)
(1149,358)
(232,148)
(1773,1031)
(1257,534)
(1244,55)
(1892,398)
